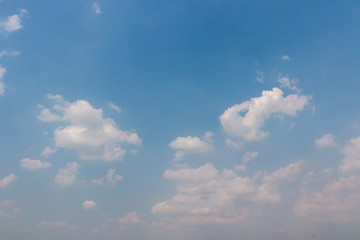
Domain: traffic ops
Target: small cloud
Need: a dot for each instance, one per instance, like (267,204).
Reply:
(4,53)
(131,218)
(48,151)
(57,225)
(2,85)
(7,180)
(97,8)
(328,140)
(285,58)
(260,77)
(285,82)
(113,106)
(248,156)
(12,23)
(67,176)
(30,164)
(89,204)
(111,178)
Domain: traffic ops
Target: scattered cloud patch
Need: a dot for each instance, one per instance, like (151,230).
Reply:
(131,218)
(87,131)
(286,82)
(2,85)
(111,178)
(115,107)
(4,53)
(191,145)
(12,23)
(285,58)
(67,176)
(351,162)
(248,156)
(245,121)
(31,164)
(260,77)
(57,225)
(97,8)
(88,204)
(328,140)
(48,151)
(7,180)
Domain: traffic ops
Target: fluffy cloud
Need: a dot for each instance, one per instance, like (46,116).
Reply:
(67,176)
(131,218)
(7,180)
(33,164)
(351,162)
(337,201)
(88,204)
(248,156)
(328,140)
(13,23)
(206,195)
(88,132)
(111,178)
(48,151)
(285,58)
(191,145)
(245,120)
(97,8)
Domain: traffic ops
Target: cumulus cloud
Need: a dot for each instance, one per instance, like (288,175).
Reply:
(30,164)
(328,140)
(245,121)
(248,156)
(111,178)
(87,131)
(12,23)
(97,8)
(260,77)
(285,58)
(191,145)
(88,204)
(351,162)
(131,218)
(67,176)
(7,180)
(48,151)
(337,201)
(204,194)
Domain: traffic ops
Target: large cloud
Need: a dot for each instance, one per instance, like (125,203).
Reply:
(87,131)
(204,194)
(245,120)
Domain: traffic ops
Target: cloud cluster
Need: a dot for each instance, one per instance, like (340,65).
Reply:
(67,176)
(245,121)
(87,131)
(205,194)
(110,178)
(191,145)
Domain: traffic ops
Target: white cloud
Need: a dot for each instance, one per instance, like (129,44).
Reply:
(191,145)
(88,204)
(7,180)
(33,164)
(260,77)
(351,162)
(337,201)
(67,176)
(4,53)
(115,107)
(48,151)
(245,120)
(286,82)
(97,8)
(88,132)
(328,140)
(111,178)
(248,156)
(131,218)
(206,195)
(13,23)
(285,58)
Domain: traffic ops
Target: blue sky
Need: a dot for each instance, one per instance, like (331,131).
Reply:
(213,119)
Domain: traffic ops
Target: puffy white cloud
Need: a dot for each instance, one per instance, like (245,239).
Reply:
(351,162)
(97,8)
(88,204)
(285,58)
(67,176)
(88,132)
(337,201)
(33,164)
(204,194)
(245,120)
(7,180)
(248,156)
(191,145)
(111,178)
(13,23)
(260,77)
(328,140)
(48,151)
(131,218)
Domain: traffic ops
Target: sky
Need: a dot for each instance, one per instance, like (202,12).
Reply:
(215,119)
